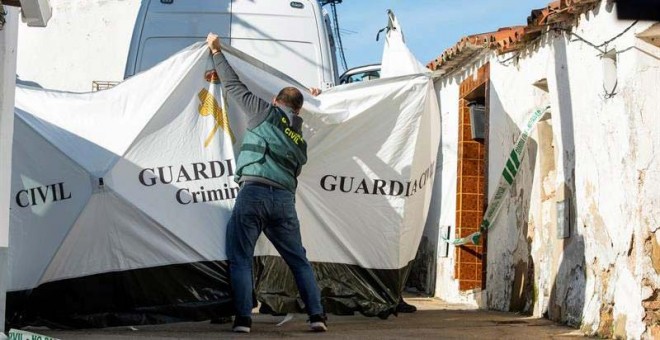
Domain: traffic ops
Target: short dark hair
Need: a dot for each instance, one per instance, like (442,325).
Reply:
(291,97)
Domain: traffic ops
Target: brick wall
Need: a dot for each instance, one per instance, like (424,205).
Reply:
(470,186)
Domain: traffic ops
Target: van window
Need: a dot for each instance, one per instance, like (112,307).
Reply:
(289,36)
(163,29)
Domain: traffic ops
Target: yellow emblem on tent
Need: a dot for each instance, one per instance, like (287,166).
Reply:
(209,106)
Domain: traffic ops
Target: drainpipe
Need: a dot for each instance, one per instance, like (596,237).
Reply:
(34,13)
(8,42)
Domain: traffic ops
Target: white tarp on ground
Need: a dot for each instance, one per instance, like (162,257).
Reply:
(141,175)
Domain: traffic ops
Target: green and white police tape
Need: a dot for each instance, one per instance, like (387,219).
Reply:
(17,334)
(506,180)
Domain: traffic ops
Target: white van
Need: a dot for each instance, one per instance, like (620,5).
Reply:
(291,36)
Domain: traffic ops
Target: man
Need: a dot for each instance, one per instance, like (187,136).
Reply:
(271,157)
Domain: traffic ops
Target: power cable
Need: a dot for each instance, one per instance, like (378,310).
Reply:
(604,44)
(580,38)
(340,45)
(337,30)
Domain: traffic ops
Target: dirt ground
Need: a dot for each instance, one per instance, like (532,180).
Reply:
(433,320)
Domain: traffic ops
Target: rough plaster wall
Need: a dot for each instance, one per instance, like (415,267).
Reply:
(93,35)
(643,167)
(647,163)
(565,301)
(604,277)
(614,144)
(513,276)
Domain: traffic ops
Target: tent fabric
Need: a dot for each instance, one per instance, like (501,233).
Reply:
(397,58)
(121,197)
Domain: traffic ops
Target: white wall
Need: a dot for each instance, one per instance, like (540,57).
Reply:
(8,42)
(446,286)
(92,35)
(606,161)
(616,177)
(509,265)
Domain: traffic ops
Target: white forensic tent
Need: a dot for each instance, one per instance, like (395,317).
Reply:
(397,58)
(120,198)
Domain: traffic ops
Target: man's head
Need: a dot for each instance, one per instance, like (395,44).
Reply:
(291,97)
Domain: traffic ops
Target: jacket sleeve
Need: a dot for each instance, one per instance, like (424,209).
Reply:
(254,107)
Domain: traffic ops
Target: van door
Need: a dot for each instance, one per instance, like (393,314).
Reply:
(288,35)
(164,27)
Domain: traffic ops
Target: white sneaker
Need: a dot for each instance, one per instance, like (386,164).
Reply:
(242,324)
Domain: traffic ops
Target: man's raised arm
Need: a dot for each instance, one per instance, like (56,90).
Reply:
(255,108)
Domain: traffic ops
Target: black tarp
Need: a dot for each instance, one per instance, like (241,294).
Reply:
(195,292)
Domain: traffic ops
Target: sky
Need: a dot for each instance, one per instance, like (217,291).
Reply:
(429,26)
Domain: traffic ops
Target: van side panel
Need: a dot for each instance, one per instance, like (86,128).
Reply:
(284,35)
(165,29)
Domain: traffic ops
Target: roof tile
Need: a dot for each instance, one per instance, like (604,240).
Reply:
(508,39)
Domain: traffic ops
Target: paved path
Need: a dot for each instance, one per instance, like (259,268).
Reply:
(433,320)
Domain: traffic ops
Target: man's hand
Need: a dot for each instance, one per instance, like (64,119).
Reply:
(315,91)
(213,42)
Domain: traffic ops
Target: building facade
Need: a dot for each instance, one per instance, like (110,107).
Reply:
(576,238)
(95,56)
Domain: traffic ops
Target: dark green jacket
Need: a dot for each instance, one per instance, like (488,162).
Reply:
(274,151)
(271,158)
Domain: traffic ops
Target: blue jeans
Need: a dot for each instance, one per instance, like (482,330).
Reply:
(271,210)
